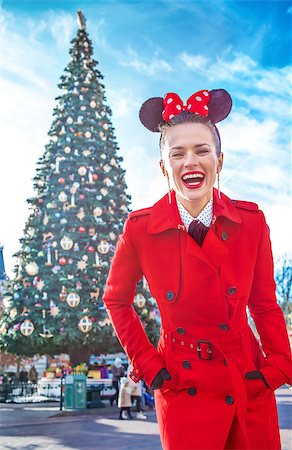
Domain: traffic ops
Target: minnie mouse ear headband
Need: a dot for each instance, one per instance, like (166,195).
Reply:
(215,105)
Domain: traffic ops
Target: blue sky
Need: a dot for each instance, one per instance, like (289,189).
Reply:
(145,49)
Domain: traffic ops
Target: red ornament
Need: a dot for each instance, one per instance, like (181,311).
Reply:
(86,277)
(90,249)
(61,180)
(63,261)
(40,201)
(81,229)
(82,196)
(92,319)
(94,176)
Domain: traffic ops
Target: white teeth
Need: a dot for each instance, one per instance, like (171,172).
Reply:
(193,175)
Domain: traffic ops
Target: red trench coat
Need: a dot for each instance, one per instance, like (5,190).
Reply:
(206,343)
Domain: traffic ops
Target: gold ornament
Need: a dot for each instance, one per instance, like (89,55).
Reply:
(27,328)
(67,150)
(32,268)
(103,247)
(13,313)
(62,196)
(82,171)
(87,134)
(3,329)
(140,300)
(66,243)
(85,324)
(92,104)
(73,299)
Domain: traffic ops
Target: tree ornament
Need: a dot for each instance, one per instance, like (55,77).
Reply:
(139,300)
(13,313)
(97,211)
(32,268)
(82,170)
(104,191)
(3,329)
(30,231)
(63,294)
(85,324)
(91,231)
(62,196)
(67,150)
(112,236)
(92,104)
(90,249)
(61,180)
(46,333)
(70,120)
(63,261)
(73,299)
(81,265)
(27,328)
(66,243)
(81,229)
(103,247)
(87,134)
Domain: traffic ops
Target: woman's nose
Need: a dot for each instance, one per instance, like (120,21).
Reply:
(191,159)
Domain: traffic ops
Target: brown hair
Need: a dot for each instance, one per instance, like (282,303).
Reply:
(188,117)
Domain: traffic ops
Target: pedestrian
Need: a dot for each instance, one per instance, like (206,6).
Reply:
(33,375)
(124,401)
(136,394)
(206,259)
(117,372)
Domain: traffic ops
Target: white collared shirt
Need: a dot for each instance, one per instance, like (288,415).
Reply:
(205,215)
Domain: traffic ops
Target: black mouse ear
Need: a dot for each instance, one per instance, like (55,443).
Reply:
(219,105)
(150,113)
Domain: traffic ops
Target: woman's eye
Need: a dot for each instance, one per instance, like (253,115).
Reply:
(203,151)
(177,154)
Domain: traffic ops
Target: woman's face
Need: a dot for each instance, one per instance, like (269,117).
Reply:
(191,161)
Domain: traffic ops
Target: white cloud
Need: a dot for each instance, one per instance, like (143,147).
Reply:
(150,68)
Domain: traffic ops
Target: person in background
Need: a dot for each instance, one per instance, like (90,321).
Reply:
(118,372)
(124,400)
(136,394)
(33,375)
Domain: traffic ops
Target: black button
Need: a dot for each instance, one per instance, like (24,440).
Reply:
(229,400)
(169,295)
(232,290)
(223,326)
(224,236)
(192,391)
(186,364)
(181,330)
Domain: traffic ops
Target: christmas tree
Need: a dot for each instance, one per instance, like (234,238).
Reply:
(76,216)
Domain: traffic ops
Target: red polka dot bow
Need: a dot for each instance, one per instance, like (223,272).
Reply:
(196,103)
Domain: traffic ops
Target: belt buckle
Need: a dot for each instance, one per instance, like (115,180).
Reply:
(208,349)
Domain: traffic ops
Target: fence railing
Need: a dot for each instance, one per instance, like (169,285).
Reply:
(29,392)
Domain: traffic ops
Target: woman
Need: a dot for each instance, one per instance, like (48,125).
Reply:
(118,372)
(213,382)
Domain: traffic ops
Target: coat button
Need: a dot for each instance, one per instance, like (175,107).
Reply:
(181,330)
(231,290)
(192,391)
(229,400)
(186,364)
(224,236)
(169,295)
(223,326)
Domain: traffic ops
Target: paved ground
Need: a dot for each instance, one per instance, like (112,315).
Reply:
(43,427)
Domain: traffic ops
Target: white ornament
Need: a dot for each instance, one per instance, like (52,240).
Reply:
(140,300)
(62,196)
(32,268)
(85,324)
(73,299)
(66,243)
(82,171)
(103,247)
(27,328)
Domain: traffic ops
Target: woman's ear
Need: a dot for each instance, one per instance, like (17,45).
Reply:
(220,162)
(163,169)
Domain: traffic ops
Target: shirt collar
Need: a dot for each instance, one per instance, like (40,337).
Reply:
(205,215)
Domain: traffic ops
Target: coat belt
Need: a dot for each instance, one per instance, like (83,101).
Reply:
(203,348)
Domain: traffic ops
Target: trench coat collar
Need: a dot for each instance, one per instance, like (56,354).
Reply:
(165,216)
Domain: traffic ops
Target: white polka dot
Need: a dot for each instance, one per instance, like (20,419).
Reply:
(169,100)
(198,98)
(171,116)
(178,107)
(206,93)
(189,106)
(206,107)
(196,113)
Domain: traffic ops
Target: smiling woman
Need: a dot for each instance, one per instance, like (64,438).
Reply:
(206,259)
